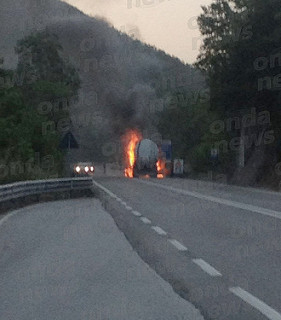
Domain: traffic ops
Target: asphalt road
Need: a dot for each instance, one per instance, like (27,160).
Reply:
(218,246)
(67,260)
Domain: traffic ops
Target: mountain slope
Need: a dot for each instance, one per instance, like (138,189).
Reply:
(123,80)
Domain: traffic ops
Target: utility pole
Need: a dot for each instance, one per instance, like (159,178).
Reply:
(241,155)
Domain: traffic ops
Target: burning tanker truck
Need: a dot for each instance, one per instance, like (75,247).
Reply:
(146,158)
(142,157)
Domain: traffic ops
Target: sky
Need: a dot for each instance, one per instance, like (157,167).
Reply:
(169,25)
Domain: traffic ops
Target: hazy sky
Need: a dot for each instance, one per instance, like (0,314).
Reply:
(168,24)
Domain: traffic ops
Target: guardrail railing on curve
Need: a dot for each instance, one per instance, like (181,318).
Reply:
(27,188)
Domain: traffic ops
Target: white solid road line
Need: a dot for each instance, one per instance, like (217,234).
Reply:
(102,187)
(207,267)
(256,303)
(145,220)
(136,213)
(230,203)
(160,231)
(112,195)
(178,245)
(8,216)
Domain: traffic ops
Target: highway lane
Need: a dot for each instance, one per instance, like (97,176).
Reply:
(251,196)
(236,247)
(67,260)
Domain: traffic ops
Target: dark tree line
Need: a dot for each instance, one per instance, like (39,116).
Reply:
(33,98)
(241,59)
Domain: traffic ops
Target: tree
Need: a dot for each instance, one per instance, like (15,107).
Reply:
(241,58)
(42,77)
(187,122)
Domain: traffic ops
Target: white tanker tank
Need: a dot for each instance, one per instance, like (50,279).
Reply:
(146,157)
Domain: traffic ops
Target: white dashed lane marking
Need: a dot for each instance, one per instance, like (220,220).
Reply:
(207,267)
(136,213)
(256,303)
(160,231)
(178,245)
(145,220)
(248,298)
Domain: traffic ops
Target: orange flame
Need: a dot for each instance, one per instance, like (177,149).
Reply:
(131,140)
(159,166)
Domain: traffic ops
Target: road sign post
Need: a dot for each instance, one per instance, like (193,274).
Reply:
(178,167)
(214,161)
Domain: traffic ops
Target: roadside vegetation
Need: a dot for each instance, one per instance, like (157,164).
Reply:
(33,98)
(241,59)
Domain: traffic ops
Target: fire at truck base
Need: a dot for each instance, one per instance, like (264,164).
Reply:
(143,158)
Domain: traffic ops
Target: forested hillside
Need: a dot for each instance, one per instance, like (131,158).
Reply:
(242,60)
(239,119)
(31,107)
(124,83)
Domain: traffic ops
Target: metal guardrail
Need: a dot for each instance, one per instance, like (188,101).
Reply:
(27,188)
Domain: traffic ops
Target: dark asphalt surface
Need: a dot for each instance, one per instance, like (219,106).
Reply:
(67,260)
(240,243)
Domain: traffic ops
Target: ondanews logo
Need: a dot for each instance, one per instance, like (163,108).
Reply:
(144,3)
